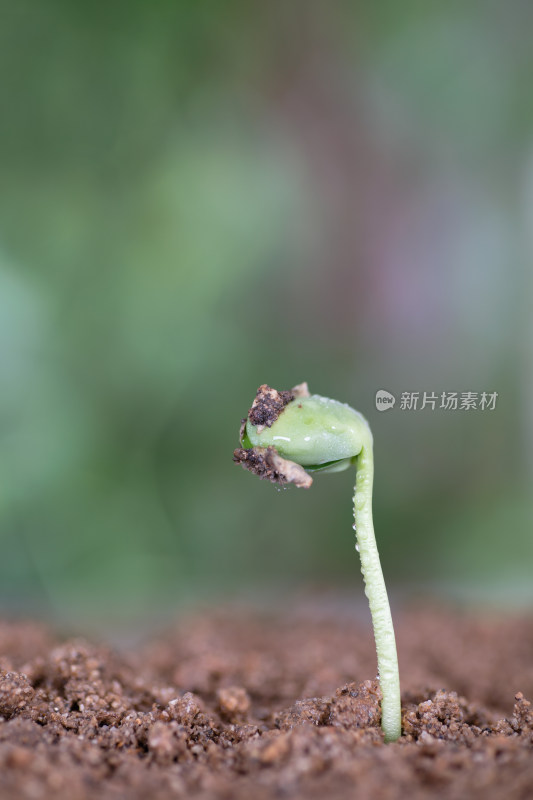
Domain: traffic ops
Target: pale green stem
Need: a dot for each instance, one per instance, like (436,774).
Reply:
(376,592)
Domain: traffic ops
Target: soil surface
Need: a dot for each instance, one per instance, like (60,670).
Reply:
(235,705)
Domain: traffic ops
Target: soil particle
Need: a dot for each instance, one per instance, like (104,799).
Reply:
(15,692)
(233,703)
(522,720)
(267,406)
(232,706)
(257,460)
(267,464)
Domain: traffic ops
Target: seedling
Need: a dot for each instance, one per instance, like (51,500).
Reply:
(286,438)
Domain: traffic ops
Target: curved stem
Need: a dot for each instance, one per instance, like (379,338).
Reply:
(377,596)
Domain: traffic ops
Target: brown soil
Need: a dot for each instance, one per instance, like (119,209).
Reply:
(233,706)
(268,405)
(267,464)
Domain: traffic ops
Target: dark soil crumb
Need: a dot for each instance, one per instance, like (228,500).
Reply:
(267,464)
(236,706)
(256,460)
(268,405)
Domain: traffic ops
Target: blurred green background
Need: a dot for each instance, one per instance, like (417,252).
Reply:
(199,197)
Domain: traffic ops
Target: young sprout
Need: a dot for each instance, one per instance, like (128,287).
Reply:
(286,438)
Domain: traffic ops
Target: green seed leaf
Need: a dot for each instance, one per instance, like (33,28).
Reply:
(313,432)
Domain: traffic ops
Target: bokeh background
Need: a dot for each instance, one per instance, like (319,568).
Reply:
(199,197)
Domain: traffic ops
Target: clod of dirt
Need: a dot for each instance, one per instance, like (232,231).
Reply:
(15,692)
(522,720)
(356,706)
(267,406)
(352,707)
(267,464)
(445,716)
(233,703)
